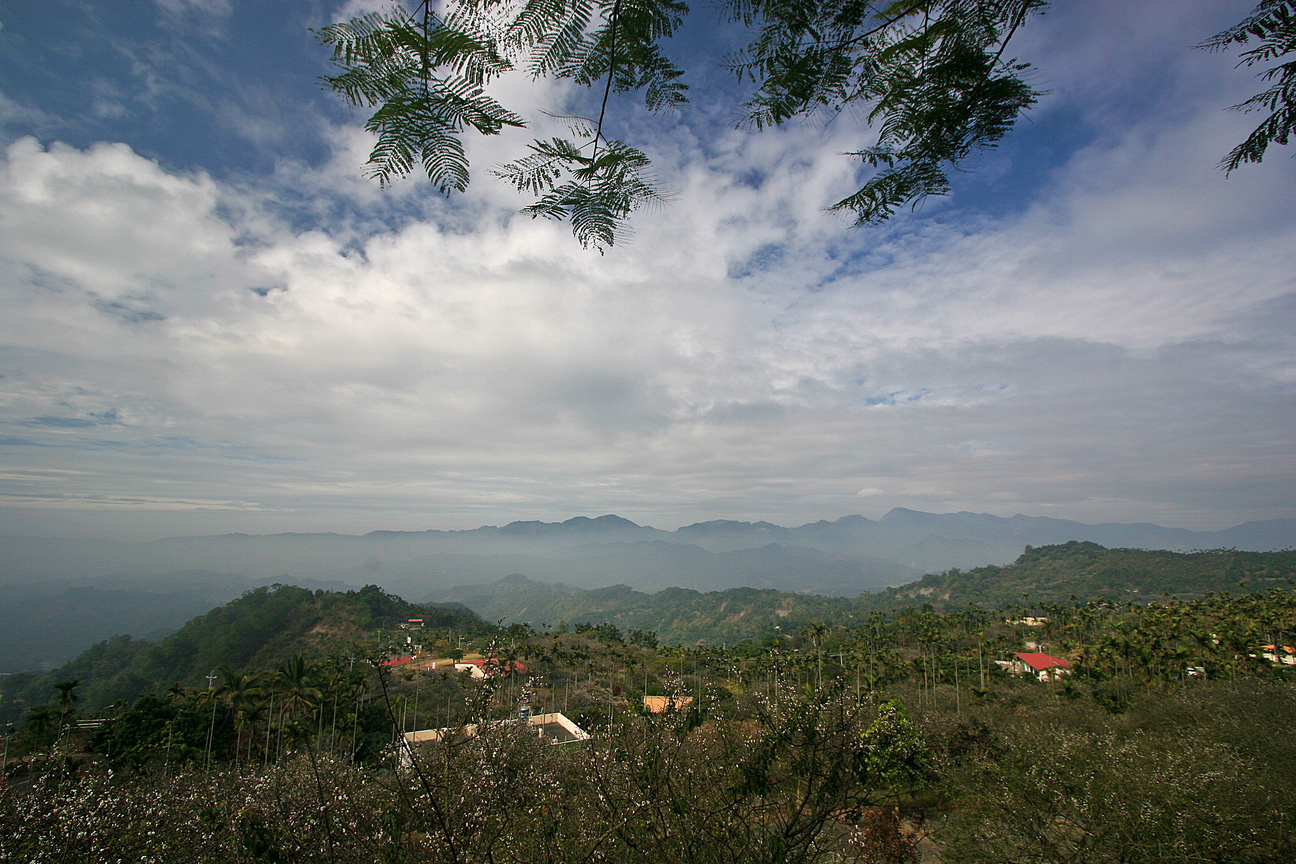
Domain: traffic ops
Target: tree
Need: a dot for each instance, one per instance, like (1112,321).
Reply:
(934,72)
(1273,25)
(295,680)
(241,691)
(934,76)
(40,727)
(816,632)
(67,699)
(1170,784)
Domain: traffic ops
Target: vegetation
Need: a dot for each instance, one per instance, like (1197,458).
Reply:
(1273,27)
(675,615)
(265,627)
(824,742)
(44,625)
(1071,572)
(868,742)
(933,77)
(261,629)
(1088,571)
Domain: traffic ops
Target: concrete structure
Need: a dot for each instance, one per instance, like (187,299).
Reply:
(489,666)
(554,728)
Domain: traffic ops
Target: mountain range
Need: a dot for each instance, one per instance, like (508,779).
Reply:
(58,596)
(845,556)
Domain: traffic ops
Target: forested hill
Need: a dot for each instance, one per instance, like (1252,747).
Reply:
(1048,574)
(677,615)
(1087,571)
(261,629)
(266,626)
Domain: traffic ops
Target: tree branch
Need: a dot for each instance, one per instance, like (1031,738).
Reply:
(607,91)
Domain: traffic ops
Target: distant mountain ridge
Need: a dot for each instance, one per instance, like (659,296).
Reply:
(675,615)
(843,556)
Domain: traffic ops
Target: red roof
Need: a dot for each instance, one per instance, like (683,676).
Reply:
(398,661)
(1040,662)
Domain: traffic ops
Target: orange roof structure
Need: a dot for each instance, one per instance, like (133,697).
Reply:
(658,704)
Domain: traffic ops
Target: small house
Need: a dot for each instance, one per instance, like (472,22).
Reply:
(1045,667)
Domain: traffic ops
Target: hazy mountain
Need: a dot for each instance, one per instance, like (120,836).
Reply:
(610,549)
(58,596)
(932,541)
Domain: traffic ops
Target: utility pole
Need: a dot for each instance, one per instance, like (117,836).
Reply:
(211,728)
(269,721)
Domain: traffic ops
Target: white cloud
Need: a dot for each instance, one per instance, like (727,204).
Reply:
(308,348)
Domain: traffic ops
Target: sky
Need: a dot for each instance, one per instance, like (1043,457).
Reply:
(215,322)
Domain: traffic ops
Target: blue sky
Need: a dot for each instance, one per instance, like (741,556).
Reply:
(214,322)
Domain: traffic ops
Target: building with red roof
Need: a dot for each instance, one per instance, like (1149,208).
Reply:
(1045,667)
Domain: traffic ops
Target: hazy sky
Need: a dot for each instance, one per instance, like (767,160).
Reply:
(213,321)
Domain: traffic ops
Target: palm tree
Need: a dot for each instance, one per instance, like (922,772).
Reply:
(294,681)
(239,690)
(67,699)
(816,631)
(249,717)
(39,722)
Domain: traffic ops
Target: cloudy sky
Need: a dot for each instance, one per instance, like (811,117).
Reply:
(214,322)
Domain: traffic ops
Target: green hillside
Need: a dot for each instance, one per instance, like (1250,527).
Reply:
(1048,574)
(677,615)
(261,629)
(1087,571)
